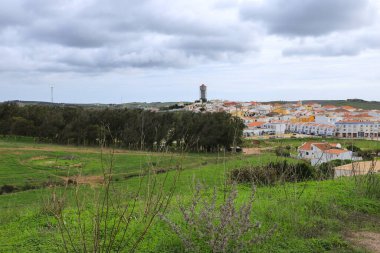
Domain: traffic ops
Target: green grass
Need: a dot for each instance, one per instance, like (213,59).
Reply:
(25,162)
(296,142)
(311,216)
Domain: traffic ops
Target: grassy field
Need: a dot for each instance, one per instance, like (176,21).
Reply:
(315,216)
(25,162)
(296,142)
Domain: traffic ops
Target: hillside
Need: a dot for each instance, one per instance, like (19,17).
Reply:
(310,216)
(131,105)
(357,103)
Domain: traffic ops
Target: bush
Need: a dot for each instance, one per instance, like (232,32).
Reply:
(354,148)
(8,189)
(283,151)
(28,186)
(327,170)
(213,227)
(273,173)
(368,155)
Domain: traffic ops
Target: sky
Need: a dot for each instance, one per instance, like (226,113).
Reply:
(118,51)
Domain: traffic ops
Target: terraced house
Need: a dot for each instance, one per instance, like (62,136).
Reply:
(357,129)
(311,129)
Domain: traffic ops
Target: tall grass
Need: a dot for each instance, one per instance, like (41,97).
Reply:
(104,219)
(369,183)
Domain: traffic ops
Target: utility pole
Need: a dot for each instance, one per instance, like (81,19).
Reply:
(52,93)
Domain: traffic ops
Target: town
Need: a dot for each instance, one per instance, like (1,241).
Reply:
(290,120)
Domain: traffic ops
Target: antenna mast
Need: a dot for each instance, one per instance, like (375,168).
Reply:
(52,93)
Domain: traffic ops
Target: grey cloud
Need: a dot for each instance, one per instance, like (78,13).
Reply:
(13,14)
(350,44)
(325,51)
(99,35)
(214,47)
(101,60)
(309,17)
(69,33)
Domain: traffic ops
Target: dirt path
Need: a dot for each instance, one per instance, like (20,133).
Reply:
(90,180)
(81,150)
(254,151)
(368,240)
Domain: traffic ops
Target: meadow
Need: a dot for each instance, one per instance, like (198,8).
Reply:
(312,216)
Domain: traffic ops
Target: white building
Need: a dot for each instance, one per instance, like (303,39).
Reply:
(319,153)
(311,128)
(256,129)
(277,127)
(263,109)
(327,120)
(357,129)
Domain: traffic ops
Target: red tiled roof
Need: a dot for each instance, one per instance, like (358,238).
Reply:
(230,103)
(256,124)
(322,146)
(336,151)
(362,115)
(340,110)
(306,146)
(347,107)
(329,106)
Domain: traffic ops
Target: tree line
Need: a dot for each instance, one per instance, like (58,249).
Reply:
(131,128)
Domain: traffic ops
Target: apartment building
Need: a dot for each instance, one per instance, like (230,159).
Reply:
(311,129)
(357,129)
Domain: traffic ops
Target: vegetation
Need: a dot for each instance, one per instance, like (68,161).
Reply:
(133,129)
(327,170)
(308,215)
(274,172)
(283,151)
(103,222)
(213,228)
(294,143)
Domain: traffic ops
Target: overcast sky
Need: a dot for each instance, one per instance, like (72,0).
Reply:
(113,51)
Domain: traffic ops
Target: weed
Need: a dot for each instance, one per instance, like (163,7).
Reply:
(210,227)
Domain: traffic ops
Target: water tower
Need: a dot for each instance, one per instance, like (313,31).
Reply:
(203,92)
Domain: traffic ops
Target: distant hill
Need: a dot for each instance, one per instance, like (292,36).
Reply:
(357,103)
(132,105)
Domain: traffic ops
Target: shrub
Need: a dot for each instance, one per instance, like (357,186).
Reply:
(283,151)
(368,155)
(274,172)
(28,186)
(354,148)
(8,189)
(327,170)
(210,227)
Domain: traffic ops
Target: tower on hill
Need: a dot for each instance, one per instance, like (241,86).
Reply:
(203,93)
